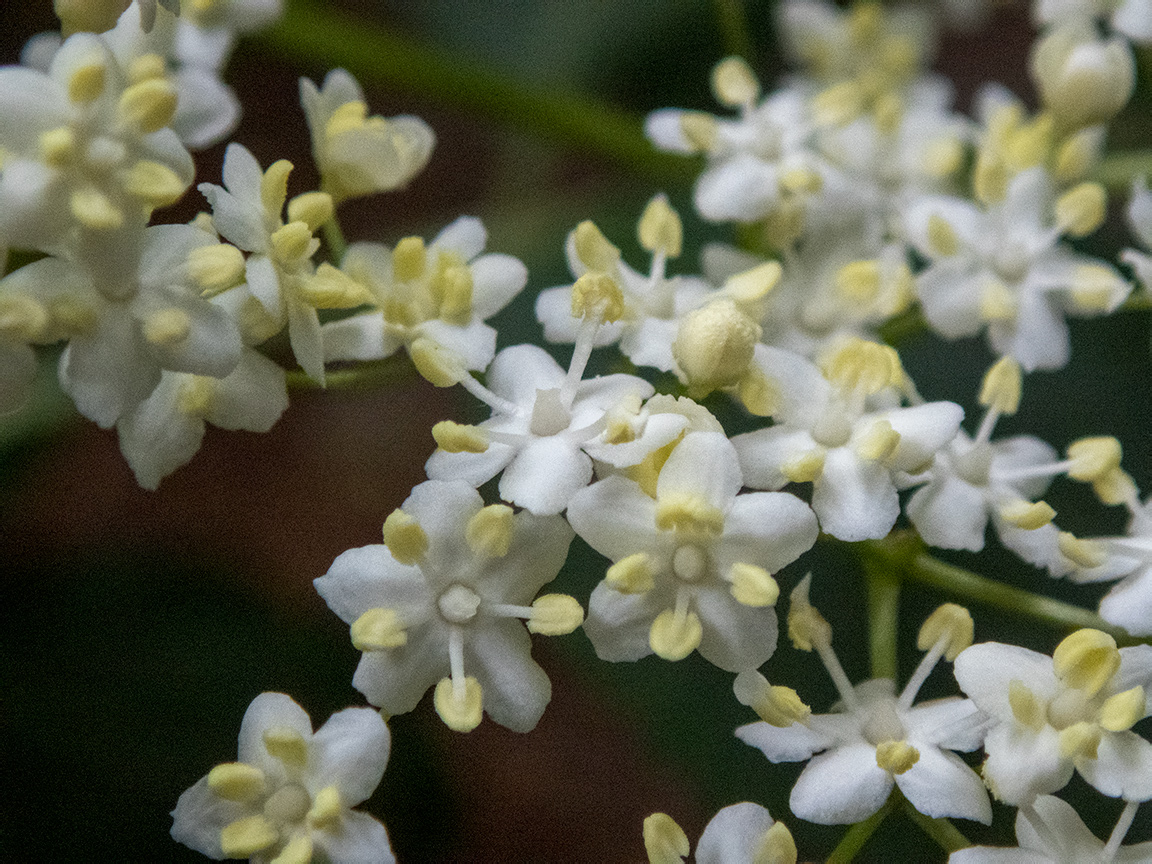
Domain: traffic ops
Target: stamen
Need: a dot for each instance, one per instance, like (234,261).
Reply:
(1119,831)
(245,837)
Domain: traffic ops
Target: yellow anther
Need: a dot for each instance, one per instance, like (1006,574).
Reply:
(237,781)
(1094,458)
(451,288)
(347,118)
(489,532)
(456,438)
(146,66)
(87,83)
(752,585)
(776,846)
(197,396)
(216,268)
(942,157)
(167,327)
(1095,287)
(804,468)
(899,56)
(1003,123)
(896,757)
(597,295)
(594,249)
(409,259)
(1080,210)
(148,105)
(862,365)
(839,104)
(441,366)
(660,229)
(1086,660)
(859,280)
(71,315)
(461,712)
(777,706)
(287,745)
(942,239)
(807,628)
(1115,487)
(378,629)
(154,184)
(758,393)
(57,146)
(688,514)
(734,83)
(555,615)
(404,537)
(1002,385)
(1027,515)
(1031,143)
(674,637)
(785,224)
(700,130)
(311,208)
(1076,156)
(989,178)
(951,621)
(326,807)
(292,242)
(1080,740)
(888,110)
(22,318)
(274,187)
(1026,708)
(801,181)
(997,301)
(94,210)
(1081,552)
(245,837)
(878,442)
(631,575)
(714,346)
(298,850)
(754,284)
(329,288)
(664,840)
(1122,711)
(865,22)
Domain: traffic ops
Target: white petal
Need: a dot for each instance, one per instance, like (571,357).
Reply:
(359,839)
(923,429)
(768,529)
(734,834)
(207,110)
(471,468)
(664,130)
(474,344)
(545,475)
(350,752)
(516,690)
(199,815)
(1129,604)
(304,336)
(702,465)
(614,517)
(110,370)
(368,578)
(1022,764)
(741,189)
(763,452)
(496,279)
(252,398)
(466,236)
(213,344)
(396,678)
(156,437)
(941,785)
(268,711)
(735,637)
(554,311)
(949,293)
(520,370)
(949,513)
(854,499)
(618,624)
(1122,767)
(359,337)
(984,672)
(793,743)
(841,786)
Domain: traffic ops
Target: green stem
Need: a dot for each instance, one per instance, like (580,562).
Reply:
(856,836)
(1118,170)
(363,376)
(946,835)
(734,28)
(313,32)
(334,240)
(883,618)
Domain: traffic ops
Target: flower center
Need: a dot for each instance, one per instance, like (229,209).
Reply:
(549,413)
(689,563)
(458,604)
(288,805)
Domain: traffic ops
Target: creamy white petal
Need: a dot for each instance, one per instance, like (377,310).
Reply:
(350,751)
(985,670)
(1122,767)
(545,475)
(269,711)
(516,690)
(734,834)
(841,786)
(793,743)
(854,499)
(614,517)
(949,513)
(941,785)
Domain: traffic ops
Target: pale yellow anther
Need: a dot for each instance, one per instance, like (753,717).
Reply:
(298,850)
(22,318)
(859,281)
(555,615)
(878,442)
(807,628)
(274,187)
(461,714)
(326,807)
(989,178)
(348,117)
(1076,156)
(1094,458)
(292,242)
(598,296)
(72,315)
(948,621)
(330,288)
(674,637)
(1080,740)
(1080,210)
(699,129)
(489,533)
(154,184)
(664,840)
(896,757)
(311,208)
(378,629)
(1028,515)
(942,157)
(167,327)
(1031,143)
(758,393)
(777,706)
(942,239)
(1002,386)
(859,364)
(287,745)
(1115,487)
(785,224)
(457,438)
(1086,660)
(839,104)
(1081,552)
(1003,123)
(237,781)
(734,83)
(404,537)
(94,210)
(688,514)
(754,284)
(1026,708)
(776,846)
(660,229)
(799,181)
(714,346)
(87,83)
(148,105)
(1095,287)
(451,287)
(57,146)
(805,467)
(997,301)
(441,366)
(197,396)
(632,575)
(146,66)
(752,585)
(888,111)
(245,837)
(1122,711)
(865,22)
(593,249)
(216,268)
(409,259)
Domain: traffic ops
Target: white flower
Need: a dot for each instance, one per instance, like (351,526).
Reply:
(441,603)
(692,567)
(1128,558)
(1131,18)
(289,794)
(206,32)
(737,834)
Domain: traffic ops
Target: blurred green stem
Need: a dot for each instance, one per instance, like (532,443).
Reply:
(856,836)
(883,615)
(734,28)
(1118,170)
(946,835)
(363,376)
